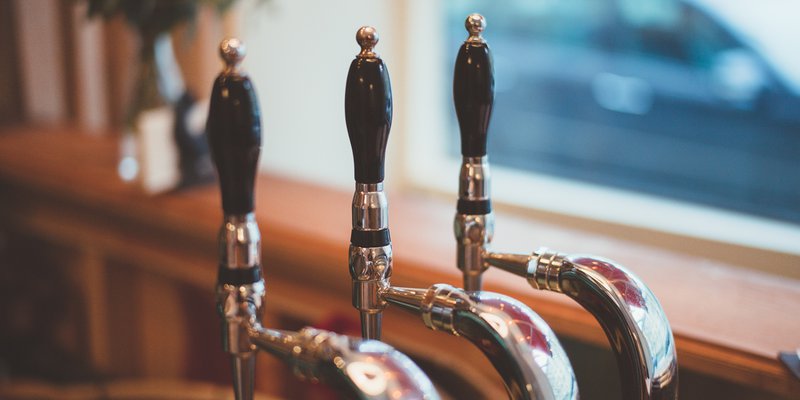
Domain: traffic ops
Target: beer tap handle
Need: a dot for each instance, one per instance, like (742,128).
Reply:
(368,115)
(234,131)
(368,109)
(473,88)
(234,136)
(473,96)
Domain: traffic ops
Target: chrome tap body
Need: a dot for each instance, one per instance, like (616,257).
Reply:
(362,369)
(519,344)
(370,265)
(240,308)
(629,313)
(368,369)
(474,222)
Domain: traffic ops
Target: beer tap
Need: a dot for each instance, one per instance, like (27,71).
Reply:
(364,369)
(522,348)
(629,313)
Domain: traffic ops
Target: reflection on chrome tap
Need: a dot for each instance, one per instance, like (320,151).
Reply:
(629,313)
(366,369)
(520,345)
(241,238)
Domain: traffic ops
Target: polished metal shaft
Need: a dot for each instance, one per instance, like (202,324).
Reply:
(244,373)
(371,325)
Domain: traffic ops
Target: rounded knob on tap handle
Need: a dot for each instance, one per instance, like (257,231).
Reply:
(473,88)
(368,109)
(234,131)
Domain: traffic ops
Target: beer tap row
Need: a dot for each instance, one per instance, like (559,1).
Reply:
(523,349)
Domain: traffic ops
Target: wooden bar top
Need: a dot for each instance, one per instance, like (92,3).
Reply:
(728,322)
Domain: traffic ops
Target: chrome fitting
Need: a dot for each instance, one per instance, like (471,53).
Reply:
(240,309)
(239,242)
(370,269)
(370,207)
(311,347)
(473,235)
(436,305)
(474,178)
(541,269)
(544,268)
(439,304)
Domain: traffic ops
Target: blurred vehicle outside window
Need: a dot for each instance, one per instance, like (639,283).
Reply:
(683,99)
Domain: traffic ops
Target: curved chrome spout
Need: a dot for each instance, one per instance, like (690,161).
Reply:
(364,369)
(628,311)
(520,345)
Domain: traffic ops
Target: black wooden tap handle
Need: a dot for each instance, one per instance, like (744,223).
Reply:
(234,131)
(473,89)
(368,109)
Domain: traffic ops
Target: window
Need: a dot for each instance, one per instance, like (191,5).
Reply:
(664,115)
(659,116)
(643,111)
